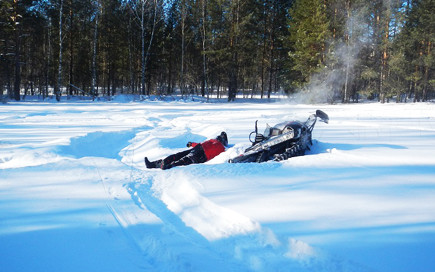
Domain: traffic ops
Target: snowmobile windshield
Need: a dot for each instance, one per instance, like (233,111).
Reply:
(266,132)
(275,130)
(311,121)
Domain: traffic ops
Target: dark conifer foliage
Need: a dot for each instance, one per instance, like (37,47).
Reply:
(336,50)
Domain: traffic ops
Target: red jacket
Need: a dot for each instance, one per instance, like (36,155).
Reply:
(211,147)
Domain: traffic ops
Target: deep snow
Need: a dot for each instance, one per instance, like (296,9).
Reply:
(75,195)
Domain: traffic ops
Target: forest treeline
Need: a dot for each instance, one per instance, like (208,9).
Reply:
(333,49)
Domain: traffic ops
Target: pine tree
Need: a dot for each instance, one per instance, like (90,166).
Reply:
(397,82)
(6,33)
(412,57)
(309,30)
(420,29)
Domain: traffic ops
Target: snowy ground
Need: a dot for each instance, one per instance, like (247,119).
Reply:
(75,195)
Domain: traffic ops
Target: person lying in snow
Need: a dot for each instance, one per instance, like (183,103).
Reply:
(200,153)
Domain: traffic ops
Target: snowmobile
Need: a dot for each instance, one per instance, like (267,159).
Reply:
(282,141)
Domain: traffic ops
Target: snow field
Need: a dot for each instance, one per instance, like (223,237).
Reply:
(75,194)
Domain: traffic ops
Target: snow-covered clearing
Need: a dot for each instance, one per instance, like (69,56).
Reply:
(75,194)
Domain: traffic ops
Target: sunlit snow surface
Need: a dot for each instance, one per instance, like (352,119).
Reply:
(75,194)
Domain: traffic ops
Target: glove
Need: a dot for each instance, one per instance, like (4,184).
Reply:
(189,144)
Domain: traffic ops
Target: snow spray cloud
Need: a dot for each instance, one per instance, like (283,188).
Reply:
(334,79)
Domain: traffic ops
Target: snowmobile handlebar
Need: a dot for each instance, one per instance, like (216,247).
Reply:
(258,137)
(255,131)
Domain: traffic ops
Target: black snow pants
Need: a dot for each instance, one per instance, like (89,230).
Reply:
(190,156)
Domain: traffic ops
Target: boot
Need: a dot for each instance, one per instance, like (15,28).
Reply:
(154,164)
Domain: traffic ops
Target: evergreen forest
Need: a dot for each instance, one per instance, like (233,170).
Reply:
(335,50)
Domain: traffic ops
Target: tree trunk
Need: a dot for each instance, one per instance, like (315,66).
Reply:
(58,86)
(271,53)
(94,90)
(263,58)
(48,52)
(183,21)
(204,59)
(17,82)
(130,57)
(416,93)
(384,61)
(17,29)
(376,54)
(347,38)
(426,73)
(7,71)
(71,48)
(142,28)
(150,42)
(233,69)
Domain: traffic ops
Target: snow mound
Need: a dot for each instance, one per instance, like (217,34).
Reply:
(175,198)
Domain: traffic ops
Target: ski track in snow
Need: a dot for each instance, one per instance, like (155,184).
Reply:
(81,166)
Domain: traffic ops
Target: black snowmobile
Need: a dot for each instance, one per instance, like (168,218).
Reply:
(282,141)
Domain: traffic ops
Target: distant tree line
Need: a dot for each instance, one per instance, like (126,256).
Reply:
(344,48)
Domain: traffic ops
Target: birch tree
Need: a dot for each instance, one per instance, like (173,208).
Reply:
(94,89)
(204,39)
(141,10)
(58,87)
